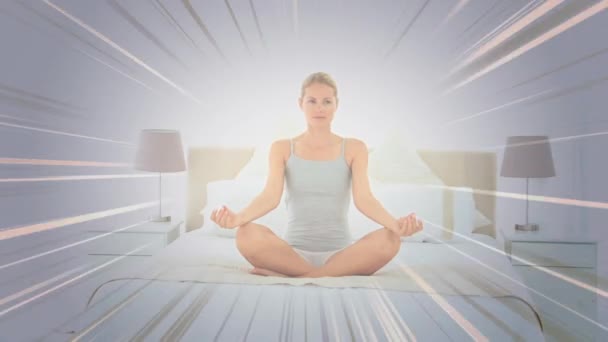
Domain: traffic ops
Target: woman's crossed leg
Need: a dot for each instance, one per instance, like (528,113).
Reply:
(270,255)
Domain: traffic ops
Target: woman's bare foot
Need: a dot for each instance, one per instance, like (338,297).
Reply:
(265,272)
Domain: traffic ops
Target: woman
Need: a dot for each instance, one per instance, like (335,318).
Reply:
(319,169)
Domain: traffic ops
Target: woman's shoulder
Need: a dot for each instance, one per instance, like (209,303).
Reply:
(281,147)
(355,144)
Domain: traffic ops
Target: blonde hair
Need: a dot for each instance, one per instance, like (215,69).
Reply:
(320,77)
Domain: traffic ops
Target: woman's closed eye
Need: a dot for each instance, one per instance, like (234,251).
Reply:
(313,101)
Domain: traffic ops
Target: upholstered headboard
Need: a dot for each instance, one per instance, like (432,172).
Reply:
(472,169)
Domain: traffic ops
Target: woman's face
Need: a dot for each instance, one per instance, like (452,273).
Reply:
(319,104)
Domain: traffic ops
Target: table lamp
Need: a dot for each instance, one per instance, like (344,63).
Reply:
(160,150)
(527,157)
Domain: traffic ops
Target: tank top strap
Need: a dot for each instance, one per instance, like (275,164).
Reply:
(343,143)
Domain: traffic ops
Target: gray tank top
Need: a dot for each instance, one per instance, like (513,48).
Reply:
(317,202)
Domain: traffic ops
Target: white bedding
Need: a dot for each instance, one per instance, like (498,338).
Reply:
(448,269)
(194,300)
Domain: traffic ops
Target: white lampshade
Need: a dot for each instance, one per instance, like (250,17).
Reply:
(160,150)
(528,157)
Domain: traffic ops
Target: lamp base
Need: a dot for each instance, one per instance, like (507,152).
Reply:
(527,227)
(160,219)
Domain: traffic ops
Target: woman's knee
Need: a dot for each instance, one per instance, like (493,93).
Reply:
(388,242)
(250,238)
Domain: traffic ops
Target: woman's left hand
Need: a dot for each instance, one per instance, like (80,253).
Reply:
(409,225)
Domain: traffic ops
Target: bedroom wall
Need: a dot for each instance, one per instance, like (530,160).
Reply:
(573,105)
(560,92)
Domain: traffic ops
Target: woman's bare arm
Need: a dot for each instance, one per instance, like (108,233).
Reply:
(270,197)
(363,198)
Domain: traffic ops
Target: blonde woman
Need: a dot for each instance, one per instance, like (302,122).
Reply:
(319,169)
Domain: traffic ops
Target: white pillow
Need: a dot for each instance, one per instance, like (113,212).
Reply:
(401,200)
(237,194)
(257,167)
(481,220)
(396,161)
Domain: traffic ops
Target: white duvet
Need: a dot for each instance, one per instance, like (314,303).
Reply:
(459,268)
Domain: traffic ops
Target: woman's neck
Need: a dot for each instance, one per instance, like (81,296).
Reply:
(318,137)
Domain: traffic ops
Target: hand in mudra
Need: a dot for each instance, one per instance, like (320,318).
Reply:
(225,218)
(409,225)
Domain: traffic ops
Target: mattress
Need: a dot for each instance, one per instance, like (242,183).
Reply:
(198,288)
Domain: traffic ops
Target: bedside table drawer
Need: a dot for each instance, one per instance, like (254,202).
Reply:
(122,243)
(554,254)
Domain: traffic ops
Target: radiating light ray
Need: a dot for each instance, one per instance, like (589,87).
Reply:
(484,15)
(203,28)
(122,11)
(365,315)
(50,162)
(116,308)
(48,101)
(257,24)
(557,69)
(467,326)
(577,19)
(238,27)
(93,338)
(121,50)
(11,233)
(388,320)
(42,284)
(570,280)
(359,322)
(502,106)
(406,30)
(454,50)
(154,91)
(73,178)
(400,18)
(67,282)
(523,285)
(389,304)
(50,131)
(497,30)
(536,198)
(455,10)
(540,96)
(552,140)
(39,255)
(383,319)
(522,23)
(332,318)
(18,118)
(67,32)
(161,8)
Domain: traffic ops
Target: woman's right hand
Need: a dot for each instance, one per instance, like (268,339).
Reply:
(225,218)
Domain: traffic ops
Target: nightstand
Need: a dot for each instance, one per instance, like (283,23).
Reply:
(574,258)
(156,234)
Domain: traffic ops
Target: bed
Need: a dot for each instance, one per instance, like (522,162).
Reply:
(453,284)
